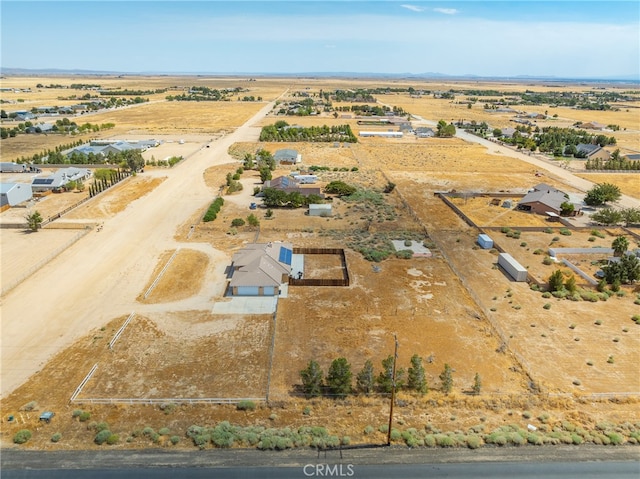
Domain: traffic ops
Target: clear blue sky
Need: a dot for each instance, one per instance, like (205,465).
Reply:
(487,38)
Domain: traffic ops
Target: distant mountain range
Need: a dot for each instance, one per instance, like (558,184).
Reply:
(426,75)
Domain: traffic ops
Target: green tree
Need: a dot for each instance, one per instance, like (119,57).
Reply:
(446,377)
(556,281)
(133,160)
(339,378)
(416,378)
(624,271)
(365,380)
(237,222)
(34,221)
(602,193)
(607,216)
(477,384)
(631,216)
(253,220)
(570,284)
(620,245)
(385,378)
(340,188)
(312,379)
(566,208)
(265,173)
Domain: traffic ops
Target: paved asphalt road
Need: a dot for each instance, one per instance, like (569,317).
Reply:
(520,470)
(584,462)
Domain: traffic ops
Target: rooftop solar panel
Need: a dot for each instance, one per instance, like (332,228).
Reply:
(285,255)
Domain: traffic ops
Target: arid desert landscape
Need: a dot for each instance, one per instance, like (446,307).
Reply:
(118,313)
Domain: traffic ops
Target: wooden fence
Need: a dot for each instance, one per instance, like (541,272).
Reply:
(344,281)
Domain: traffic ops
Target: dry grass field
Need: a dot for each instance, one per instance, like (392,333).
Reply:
(629,183)
(456,307)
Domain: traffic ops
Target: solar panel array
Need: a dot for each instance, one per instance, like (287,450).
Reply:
(285,255)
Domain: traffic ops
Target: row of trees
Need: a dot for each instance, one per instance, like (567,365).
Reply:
(612,216)
(616,162)
(338,382)
(277,198)
(281,131)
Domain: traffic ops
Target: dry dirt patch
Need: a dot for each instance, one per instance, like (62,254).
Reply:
(147,362)
(116,199)
(181,279)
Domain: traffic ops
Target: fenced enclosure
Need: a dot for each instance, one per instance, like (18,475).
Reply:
(344,281)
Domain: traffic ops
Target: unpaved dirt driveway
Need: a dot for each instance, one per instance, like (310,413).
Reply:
(100,277)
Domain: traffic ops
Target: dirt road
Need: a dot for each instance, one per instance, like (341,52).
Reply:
(100,277)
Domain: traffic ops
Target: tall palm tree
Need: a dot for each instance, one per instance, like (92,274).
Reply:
(620,245)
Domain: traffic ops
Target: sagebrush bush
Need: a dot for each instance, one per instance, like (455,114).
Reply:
(246,406)
(56,437)
(113,439)
(102,437)
(22,436)
(84,416)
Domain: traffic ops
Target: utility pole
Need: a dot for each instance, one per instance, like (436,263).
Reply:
(393,390)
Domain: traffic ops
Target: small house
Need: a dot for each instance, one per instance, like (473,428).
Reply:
(287,157)
(259,269)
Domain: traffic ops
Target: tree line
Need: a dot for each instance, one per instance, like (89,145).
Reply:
(281,131)
(338,382)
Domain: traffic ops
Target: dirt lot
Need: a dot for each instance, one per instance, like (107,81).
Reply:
(454,307)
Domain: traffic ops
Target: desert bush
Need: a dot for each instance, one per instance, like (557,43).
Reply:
(565,232)
(538,251)
(346,440)
(369,430)
(76,412)
(615,438)
(84,416)
(101,426)
(404,254)
(237,222)
(555,239)
(175,440)
(384,428)
(113,439)
(246,406)
(22,436)
(30,406)
(148,431)
(102,437)
(165,431)
(443,440)
(547,260)
(168,408)
(474,442)
(306,411)
(546,294)
(598,233)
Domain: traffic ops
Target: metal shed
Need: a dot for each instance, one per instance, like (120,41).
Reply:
(12,194)
(320,209)
(485,241)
